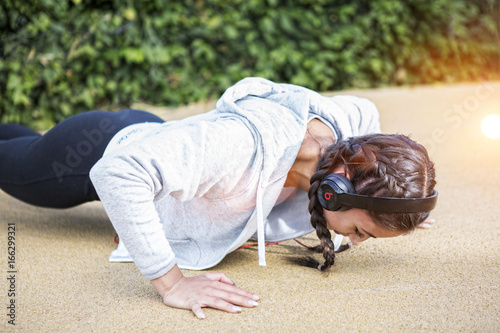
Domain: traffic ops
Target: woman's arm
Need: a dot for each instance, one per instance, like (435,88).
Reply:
(184,164)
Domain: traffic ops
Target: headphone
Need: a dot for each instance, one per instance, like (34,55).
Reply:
(337,193)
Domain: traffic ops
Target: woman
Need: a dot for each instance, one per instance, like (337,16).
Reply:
(185,193)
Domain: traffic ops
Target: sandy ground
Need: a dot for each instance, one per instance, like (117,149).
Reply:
(440,280)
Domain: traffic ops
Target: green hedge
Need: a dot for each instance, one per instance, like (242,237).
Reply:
(61,57)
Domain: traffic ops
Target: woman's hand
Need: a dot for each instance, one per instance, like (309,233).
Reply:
(213,290)
(427,224)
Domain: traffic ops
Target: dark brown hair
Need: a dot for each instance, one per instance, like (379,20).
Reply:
(379,165)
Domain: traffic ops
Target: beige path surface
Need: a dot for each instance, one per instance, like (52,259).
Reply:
(443,280)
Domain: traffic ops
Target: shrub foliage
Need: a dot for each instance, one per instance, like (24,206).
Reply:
(61,57)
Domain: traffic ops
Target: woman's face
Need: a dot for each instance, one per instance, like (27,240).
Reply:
(357,225)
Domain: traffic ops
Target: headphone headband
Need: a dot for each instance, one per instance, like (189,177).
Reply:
(336,193)
(390,205)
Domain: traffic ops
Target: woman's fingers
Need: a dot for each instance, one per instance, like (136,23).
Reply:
(220,304)
(198,312)
(209,290)
(219,277)
(427,224)
(231,286)
(233,295)
(219,297)
(344,247)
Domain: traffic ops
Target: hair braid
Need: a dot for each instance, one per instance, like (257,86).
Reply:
(325,166)
(319,223)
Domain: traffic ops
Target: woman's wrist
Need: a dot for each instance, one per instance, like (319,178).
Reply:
(164,283)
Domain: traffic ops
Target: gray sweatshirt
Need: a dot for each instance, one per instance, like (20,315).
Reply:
(191,191)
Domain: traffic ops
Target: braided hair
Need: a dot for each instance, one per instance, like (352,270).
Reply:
(379,165)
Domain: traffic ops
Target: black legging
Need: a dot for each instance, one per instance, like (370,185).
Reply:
(52,170)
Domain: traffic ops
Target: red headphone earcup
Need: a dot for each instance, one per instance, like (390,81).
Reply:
(329,190)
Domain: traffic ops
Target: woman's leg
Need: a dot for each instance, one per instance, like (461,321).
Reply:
(11,131)
(53,170)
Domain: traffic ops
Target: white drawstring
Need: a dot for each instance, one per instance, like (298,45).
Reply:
(260,228)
